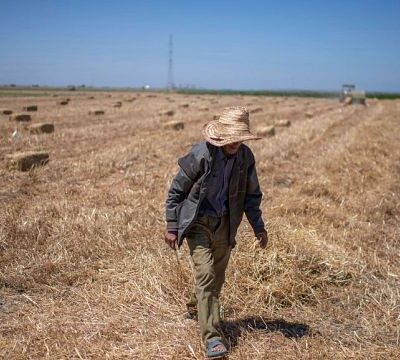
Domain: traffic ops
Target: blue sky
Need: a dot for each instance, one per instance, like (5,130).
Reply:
(301,44)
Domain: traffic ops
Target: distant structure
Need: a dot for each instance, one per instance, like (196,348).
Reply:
(170,83)
(350,95)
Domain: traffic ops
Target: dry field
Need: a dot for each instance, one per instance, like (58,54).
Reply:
(84,272)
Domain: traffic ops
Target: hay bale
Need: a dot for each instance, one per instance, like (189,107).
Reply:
(167,113)
(130,99)
(20,117)
(117,104)
(63,102)
(174,125)
(96,112)
(30,108)
(41,128)
(25,161)
(184,105)
(256,110)
(283,123)
(6,111)
(266,131)
(91,98)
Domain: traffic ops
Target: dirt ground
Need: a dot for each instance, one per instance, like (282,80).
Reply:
(84,272)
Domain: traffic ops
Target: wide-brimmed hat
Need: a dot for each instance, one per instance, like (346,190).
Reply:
(232,126)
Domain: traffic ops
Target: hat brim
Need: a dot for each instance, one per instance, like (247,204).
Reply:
(212,133)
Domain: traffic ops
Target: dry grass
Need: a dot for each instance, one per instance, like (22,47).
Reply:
(84,272)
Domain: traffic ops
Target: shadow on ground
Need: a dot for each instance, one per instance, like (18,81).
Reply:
(233,330)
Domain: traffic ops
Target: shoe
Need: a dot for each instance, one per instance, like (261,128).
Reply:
(213,353)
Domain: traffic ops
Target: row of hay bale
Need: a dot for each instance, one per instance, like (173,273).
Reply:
(173,124)
(26,160)
(24,108)
(266,131)
(36,128)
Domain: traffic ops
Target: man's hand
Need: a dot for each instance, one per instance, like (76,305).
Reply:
(263,239)
(171,240)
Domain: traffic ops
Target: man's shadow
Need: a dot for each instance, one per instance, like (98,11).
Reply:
(233,329)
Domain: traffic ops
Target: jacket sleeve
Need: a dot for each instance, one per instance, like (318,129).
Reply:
(253,200)
(190,169)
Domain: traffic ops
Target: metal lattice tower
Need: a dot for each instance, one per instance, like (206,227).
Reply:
(170,83)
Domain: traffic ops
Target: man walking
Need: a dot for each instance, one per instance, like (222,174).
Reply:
(216,183)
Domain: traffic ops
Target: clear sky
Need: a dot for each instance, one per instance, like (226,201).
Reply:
(292,44)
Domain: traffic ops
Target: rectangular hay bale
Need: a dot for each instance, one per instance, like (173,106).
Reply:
(25,161)
(284,123)
(20,117)
(174,125)
(41,128)
(30,108)
(266,131)
(256,110)
(167,113)
(96,112)
(63,102)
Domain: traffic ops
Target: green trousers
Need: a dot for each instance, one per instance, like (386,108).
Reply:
(208,241)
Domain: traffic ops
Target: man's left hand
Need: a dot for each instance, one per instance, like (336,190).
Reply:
(263,239)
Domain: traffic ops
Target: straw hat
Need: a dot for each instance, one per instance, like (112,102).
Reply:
(232,126)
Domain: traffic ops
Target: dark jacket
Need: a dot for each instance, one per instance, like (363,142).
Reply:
(189,187)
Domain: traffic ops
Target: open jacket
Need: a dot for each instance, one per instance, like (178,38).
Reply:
(189,188)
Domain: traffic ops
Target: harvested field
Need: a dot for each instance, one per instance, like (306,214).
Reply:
(84,272)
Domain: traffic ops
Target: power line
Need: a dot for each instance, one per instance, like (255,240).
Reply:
(170,83)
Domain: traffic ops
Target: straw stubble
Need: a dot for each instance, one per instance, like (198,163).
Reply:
(85,272)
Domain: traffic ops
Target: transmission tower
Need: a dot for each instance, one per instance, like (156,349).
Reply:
(170,83)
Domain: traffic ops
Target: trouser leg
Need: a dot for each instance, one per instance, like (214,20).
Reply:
(210,252)
(221,252)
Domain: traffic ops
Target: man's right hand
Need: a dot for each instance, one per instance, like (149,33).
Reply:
(171,240)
